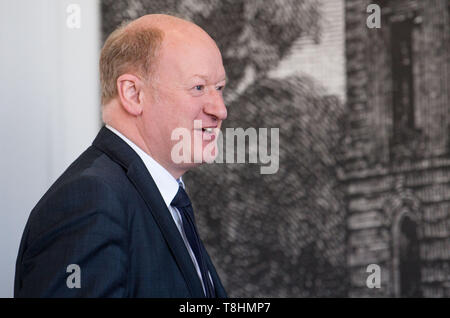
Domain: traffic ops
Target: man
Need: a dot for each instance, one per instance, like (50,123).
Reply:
(118,222)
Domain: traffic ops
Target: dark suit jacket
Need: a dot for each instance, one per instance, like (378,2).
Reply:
(106,215)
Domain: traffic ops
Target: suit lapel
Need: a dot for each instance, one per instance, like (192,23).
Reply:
(148,190)
(120,152)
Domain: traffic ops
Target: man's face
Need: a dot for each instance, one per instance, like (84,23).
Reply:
(189,81)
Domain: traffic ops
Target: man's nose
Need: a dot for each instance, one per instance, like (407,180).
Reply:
(216,106)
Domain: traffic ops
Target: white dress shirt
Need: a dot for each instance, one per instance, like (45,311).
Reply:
(168,187)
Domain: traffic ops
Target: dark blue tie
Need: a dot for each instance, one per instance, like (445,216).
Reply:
(183,204)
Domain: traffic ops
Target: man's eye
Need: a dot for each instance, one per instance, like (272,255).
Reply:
(199,87)
(220,88)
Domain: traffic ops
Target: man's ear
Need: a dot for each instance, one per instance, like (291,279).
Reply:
(129,88)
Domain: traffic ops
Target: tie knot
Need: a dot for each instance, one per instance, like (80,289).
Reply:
(181,199)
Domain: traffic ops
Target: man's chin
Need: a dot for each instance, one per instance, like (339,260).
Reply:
(209,160)
(206,154)
(204,159)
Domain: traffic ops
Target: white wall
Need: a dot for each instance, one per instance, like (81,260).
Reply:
(49,107)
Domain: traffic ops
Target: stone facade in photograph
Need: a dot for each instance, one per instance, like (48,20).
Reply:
(396,153)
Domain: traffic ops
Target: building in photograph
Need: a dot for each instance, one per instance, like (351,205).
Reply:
(396,153)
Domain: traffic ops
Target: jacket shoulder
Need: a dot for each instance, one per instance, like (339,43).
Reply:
(82,219)
(93,182)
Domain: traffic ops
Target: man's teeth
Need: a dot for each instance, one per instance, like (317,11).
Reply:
(209,130)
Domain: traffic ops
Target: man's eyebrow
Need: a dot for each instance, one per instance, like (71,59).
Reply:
(206,78)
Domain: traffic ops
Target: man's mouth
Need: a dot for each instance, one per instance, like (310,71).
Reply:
(208,133)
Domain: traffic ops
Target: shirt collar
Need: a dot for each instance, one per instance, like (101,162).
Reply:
(166,183)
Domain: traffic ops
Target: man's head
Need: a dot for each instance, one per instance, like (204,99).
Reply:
(160,73)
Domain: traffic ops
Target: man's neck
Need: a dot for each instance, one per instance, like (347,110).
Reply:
(136,137)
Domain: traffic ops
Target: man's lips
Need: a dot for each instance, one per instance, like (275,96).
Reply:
(208,129)
(209,133)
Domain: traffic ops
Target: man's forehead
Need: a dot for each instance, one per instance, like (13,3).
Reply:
(192,58)
(207,78)
(188,37)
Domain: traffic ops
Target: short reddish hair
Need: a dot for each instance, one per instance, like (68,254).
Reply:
(127,50)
